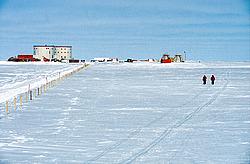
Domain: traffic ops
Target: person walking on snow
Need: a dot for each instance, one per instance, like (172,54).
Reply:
(212,79)
(204,79)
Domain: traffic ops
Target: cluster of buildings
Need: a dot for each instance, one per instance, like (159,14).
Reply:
(168,59)
(52,53)
(47,53)
(178,58)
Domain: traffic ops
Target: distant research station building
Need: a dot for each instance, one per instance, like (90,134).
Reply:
(52,52)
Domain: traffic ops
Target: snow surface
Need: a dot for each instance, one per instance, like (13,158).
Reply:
(16,78)
(131,112)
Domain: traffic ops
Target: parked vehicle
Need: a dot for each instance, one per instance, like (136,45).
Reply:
(166,59)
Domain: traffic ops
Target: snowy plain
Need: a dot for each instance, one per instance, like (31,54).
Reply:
(17,78)
(130,113)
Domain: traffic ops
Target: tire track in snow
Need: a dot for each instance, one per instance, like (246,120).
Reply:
(227,75)
(138,130)
(177,125)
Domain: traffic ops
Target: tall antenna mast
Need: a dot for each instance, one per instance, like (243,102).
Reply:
(185,55)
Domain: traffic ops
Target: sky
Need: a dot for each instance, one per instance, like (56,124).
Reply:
(207,30)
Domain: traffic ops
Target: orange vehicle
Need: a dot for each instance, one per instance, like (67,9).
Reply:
(166,59)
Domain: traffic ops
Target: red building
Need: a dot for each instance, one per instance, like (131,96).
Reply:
(25,57)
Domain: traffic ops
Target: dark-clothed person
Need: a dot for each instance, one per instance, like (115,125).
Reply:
(204,79)
(212,79)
